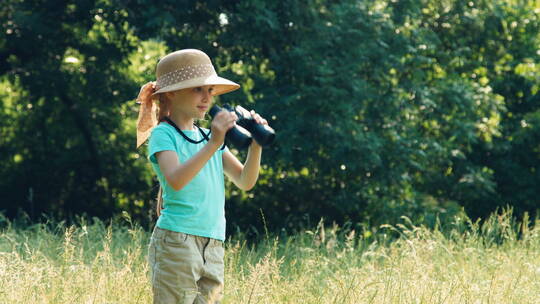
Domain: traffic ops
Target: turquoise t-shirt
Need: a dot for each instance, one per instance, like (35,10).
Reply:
(199,207)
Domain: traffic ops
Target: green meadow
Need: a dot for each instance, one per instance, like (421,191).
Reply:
(497,261)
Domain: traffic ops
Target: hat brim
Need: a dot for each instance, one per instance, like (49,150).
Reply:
(221,85)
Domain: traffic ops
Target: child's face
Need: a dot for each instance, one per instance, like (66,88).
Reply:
(192,102)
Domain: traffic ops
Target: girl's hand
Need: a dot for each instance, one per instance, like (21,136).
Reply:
(145,94)
(222,122)
(258,118)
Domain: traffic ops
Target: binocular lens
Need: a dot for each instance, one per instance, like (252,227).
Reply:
(246,128)
(237,136)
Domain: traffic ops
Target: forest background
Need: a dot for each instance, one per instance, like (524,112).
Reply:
(427,109)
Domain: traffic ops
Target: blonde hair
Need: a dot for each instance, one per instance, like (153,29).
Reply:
(163,111)
(163,107)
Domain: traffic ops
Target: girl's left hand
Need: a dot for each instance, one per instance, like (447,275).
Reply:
(258,118)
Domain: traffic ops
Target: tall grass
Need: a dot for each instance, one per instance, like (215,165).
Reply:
(497,261)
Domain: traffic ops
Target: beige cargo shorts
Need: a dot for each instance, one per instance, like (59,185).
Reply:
(185,268)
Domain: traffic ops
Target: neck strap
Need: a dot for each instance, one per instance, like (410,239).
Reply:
(204,135)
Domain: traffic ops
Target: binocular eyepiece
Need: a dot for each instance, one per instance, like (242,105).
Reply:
(246,128)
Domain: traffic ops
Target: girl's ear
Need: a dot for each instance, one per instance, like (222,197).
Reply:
(169,95)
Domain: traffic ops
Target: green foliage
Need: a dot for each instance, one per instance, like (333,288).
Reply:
(68,145)
(382,108)
(395,102)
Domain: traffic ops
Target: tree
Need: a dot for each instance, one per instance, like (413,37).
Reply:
(381,108)
(65,141)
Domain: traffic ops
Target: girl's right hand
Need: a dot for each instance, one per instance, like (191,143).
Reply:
(222,122)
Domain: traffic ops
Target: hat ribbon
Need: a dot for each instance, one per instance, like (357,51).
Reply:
(147,114)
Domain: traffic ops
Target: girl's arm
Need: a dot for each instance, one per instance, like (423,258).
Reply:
(245,176)
(180,174)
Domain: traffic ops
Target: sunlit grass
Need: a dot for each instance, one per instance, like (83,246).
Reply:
(464,262)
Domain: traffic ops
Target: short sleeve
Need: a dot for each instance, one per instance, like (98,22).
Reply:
(160,140)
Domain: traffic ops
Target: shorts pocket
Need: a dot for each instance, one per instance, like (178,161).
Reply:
(174,238)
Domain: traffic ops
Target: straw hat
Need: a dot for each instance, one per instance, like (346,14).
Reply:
(180,70)
(187,69)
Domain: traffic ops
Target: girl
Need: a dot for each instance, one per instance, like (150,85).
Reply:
(186,247)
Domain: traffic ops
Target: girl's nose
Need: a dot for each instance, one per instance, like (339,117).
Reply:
(207,95)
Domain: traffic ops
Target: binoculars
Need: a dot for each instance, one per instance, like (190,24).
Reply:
(246,128)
